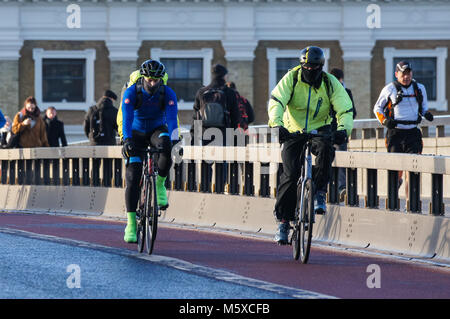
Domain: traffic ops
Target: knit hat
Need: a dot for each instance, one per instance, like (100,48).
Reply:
(219,71)
(110,94)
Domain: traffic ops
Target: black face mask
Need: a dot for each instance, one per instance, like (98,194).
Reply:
(151,89)
(312,77)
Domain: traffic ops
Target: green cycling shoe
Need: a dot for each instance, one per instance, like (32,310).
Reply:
(130,230)
(161,192)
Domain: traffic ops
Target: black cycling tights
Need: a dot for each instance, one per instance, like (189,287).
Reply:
(134,170)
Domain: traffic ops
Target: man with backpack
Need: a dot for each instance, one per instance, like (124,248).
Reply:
(100,122)
(148,116)
(302,101)
(216,107)
(400,108)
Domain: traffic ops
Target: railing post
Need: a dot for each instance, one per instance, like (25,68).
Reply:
(28,172)
(65,172)
(372,185)
(219,187)
(437,202)
(414,204)
(12,173)
(4,172)
(352,189)
(75,171)
(249,188)
(20,172)
(333,186)
(46,172)
(86,177)
(37,172)
(55,171)
(96,171)
(392,198)
(234,178)
(205,184)
(191,186)
(264,185)
(118,172)
(178,183)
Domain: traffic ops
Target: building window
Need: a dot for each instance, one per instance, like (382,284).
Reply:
(188,71)
(283,65)
(428,69)
(185,76)
(281,61)
(64,79)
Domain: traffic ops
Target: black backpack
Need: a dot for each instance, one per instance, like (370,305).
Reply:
(213,108)
(96,123)
(139,97)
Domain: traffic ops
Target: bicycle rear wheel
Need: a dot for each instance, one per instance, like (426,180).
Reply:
(306,221)
(141,214)
(152,216)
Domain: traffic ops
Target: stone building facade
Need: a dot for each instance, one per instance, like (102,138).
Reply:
(255,39)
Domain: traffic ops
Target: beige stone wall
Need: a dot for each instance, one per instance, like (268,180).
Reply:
(120,72)
(241,73)
(261,90)
(357,79)
(9,88)
(378,63)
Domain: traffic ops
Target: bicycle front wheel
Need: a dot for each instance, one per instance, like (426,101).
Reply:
(141,215)
(306,221)
(152,216)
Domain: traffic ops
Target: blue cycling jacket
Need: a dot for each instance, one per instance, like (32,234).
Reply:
(150,115)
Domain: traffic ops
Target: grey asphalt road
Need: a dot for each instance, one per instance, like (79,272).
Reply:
(46,267)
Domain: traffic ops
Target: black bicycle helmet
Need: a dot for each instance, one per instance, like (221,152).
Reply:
(312,56)
(153,68)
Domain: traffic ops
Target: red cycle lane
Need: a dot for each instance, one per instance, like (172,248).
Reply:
(329,271)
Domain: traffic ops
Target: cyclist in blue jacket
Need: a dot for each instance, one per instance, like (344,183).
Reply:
(149,116)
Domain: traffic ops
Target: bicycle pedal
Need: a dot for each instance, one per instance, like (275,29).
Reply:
(163,207)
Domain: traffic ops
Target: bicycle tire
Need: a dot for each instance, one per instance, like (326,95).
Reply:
(296,229)
(306,221)
(141,214)
(152,216)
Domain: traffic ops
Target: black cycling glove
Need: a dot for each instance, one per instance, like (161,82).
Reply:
(429,116)
(340,137)
(389,123)
(128,148)
(283,134)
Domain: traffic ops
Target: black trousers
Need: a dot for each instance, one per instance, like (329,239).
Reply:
(287,188)
(404,141)
(134,170)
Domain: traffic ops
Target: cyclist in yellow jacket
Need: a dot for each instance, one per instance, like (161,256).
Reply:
(302,101)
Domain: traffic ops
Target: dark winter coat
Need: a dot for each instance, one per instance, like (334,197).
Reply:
(55,132)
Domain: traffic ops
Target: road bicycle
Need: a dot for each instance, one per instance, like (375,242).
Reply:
(304,213)
(147,212)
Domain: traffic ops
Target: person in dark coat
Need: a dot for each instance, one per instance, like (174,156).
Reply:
(55,128)
(218,82)
(109,120)
(342,179)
